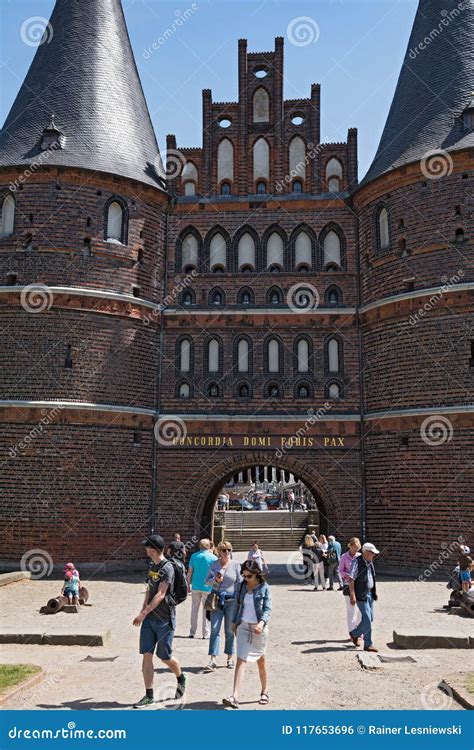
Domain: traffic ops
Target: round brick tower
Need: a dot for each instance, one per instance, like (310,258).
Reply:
(416,230)
(82,242)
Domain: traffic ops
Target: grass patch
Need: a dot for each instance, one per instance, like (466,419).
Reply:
(14,674)
(470,683)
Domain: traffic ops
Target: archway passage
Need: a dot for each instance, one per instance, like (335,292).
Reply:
(264,503)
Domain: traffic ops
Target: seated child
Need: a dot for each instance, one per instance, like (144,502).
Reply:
(71,584)
(465,567)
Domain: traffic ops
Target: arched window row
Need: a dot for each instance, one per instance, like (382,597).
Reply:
(260,160)
(275,296)
(273,389)
(272,350)
(273,252)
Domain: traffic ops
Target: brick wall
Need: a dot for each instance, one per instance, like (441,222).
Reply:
(114,360)
(56,213)
(88,493)
(420,496)
(426,214)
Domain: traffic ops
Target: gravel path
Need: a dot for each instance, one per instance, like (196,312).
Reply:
(311,663)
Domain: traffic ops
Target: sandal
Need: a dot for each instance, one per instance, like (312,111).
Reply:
(230,702)
(264,699)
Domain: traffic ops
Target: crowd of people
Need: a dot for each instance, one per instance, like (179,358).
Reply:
(236,599)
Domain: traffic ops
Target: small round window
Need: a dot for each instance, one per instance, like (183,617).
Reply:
(260,72)
(225,122)
(297,120)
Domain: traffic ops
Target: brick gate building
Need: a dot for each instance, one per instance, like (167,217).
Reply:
(255,306)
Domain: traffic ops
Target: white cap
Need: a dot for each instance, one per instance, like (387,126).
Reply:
(368,547)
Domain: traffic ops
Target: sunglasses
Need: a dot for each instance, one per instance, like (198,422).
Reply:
(226,551)
(249,576)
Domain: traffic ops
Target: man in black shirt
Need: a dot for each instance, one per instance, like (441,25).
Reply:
(158,620)
(177,550)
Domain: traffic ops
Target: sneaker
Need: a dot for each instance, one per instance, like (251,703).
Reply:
(181,687)
(145,702)
(230,664)
(190,636)
(211,667)
(230,702)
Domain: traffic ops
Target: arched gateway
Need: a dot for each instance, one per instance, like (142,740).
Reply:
(203,479)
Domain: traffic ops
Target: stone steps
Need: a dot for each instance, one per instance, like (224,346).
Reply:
(268,539)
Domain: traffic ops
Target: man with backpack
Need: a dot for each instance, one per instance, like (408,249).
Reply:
(166,587)
(333,556)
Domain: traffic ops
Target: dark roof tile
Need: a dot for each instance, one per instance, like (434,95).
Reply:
(434,87)
(87,77)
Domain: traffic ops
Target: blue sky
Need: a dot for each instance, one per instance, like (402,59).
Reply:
(356,58)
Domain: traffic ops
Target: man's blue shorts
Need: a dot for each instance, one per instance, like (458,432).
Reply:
(157,633)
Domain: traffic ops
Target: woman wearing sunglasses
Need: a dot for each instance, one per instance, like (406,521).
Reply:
(253,606)
(224,575)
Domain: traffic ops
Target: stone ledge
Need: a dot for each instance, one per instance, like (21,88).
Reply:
(432,640)
(454,684)
(368,660)
(31,682)
(56,638)
(14,577)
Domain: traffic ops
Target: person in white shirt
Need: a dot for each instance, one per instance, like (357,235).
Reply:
(252,610)
(256,554)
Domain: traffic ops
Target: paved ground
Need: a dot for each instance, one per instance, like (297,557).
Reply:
(311,663)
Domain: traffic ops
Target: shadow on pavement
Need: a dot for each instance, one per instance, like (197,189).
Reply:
(329,649)
(327,640)
(85,704)
(204,706)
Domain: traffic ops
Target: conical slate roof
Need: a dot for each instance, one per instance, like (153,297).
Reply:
(435,86)
(84,73)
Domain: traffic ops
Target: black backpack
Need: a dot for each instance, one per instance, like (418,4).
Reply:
(179,593)
(332,555)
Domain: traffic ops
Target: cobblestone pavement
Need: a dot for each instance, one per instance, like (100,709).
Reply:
(311,662)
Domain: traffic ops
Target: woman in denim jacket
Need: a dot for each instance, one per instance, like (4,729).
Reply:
(252,610)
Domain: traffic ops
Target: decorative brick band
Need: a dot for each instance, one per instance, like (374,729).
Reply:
(108,302)
(137,411)
(454,289)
